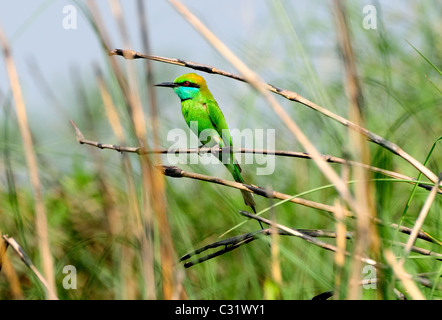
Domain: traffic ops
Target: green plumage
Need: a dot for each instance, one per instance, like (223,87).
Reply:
(198,104)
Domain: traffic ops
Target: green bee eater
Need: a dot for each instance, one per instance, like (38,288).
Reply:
(198,105)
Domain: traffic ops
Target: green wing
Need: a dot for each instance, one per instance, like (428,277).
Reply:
(219,123)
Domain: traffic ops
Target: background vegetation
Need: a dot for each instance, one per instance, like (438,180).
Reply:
(123,225)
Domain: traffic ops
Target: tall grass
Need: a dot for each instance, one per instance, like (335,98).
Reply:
(123,225)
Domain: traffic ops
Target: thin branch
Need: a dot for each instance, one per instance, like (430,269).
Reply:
(28,262)
(290,95)
(232,243)
(307,237)
(422,251)
(176,172)
(235,242)
(421,234)
(282,153)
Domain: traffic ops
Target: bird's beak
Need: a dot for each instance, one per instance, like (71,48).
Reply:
(167,84)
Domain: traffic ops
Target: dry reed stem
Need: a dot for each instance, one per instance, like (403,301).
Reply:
(151,92)
(8,270)
(31,161)
(419,221)
(274,249)
(27,261)
(153,202)
(3,248)
(422,251)
(341,241)
(123,257)
(403,276)
(145,221)
(133,221)
(175,287)
(111,110)
(366,235)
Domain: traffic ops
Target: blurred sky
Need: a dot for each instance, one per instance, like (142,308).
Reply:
(36,34)
(35,30)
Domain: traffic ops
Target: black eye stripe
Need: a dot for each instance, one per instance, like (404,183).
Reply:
(190,84)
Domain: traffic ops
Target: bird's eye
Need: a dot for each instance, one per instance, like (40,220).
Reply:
(186,83)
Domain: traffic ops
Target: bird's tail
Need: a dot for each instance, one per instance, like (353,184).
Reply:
(248,197)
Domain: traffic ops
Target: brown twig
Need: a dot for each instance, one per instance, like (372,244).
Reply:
(290,95)
(9,272)
(282,153)
(28,262)
(422,251)
(306,237)
(229,245)
(175,172)
(331,234)
(232,243)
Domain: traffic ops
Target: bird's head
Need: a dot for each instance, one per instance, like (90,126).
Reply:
(187,86)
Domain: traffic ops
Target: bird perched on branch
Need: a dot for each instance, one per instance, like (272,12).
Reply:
(198,104)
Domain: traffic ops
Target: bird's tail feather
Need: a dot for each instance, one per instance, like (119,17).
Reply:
(248,197)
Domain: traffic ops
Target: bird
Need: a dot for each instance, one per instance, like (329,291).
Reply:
(198,104)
